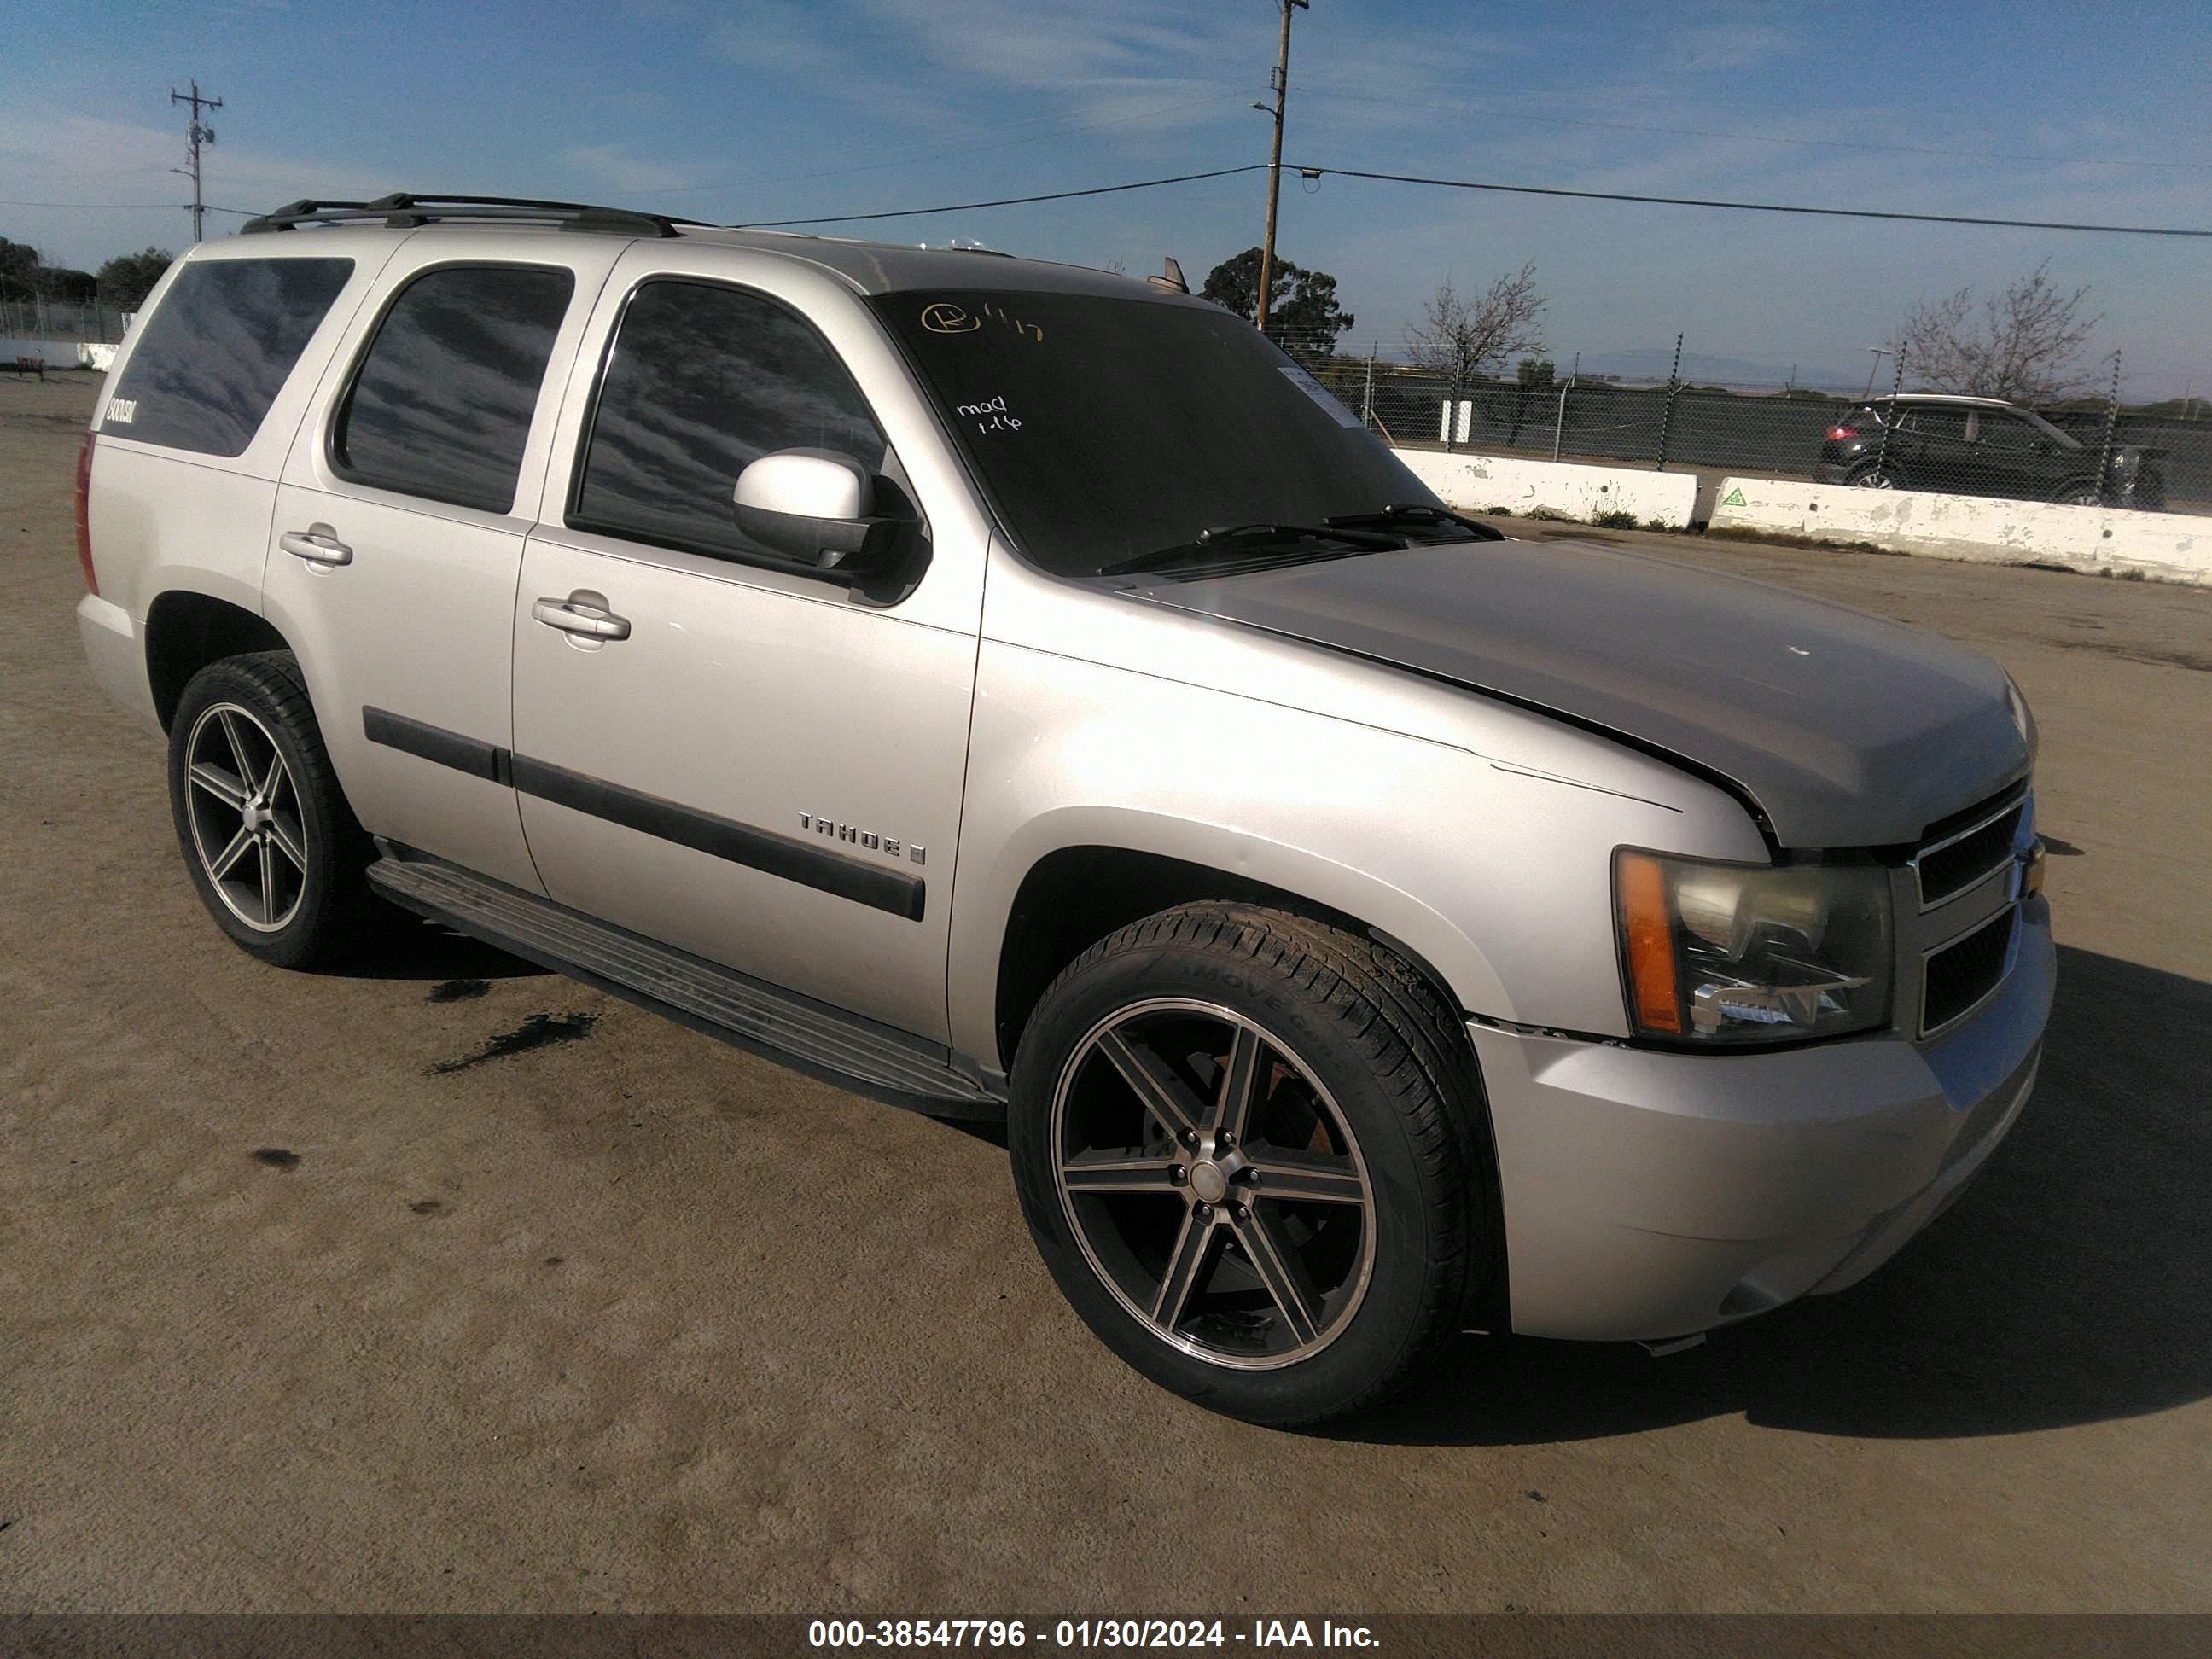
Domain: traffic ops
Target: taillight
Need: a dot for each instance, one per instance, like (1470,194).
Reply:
(1842,434)
(84,513)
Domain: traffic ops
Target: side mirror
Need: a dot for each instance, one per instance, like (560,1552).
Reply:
(815,505)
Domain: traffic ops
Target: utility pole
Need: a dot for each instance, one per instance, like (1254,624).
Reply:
(1282,86)
(1880,352)
(196,134)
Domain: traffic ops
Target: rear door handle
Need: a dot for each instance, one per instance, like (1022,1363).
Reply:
(317,545)
(572,616)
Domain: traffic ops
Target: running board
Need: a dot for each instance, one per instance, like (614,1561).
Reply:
(718,1000)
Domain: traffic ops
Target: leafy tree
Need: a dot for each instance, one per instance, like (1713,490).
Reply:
(1301,304)
(1459,338)
(2024,344)
(19,270)
(128,278)
(62,282)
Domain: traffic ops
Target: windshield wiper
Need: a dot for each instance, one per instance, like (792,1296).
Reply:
(1234,539)
(1416,512)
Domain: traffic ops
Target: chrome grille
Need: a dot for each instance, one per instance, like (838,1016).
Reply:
(1947,868)
(1957,978)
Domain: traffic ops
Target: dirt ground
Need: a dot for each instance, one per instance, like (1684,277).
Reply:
(311,1299)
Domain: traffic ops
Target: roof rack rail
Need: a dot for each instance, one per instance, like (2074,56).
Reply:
(402,211)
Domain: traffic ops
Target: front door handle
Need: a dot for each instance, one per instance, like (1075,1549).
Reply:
(317,545)
(574,615)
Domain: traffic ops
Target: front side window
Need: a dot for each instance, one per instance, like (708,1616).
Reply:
(218,349)
(1935,422)
(442,405)
(1106,429)
(703,380)
(2008,432)
(2055,436)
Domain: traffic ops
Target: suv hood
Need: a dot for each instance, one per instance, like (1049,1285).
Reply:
(1845,730)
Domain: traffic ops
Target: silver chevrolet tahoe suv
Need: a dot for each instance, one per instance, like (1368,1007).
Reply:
(1022,690)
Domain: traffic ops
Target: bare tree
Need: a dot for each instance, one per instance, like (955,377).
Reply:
(1459,338)
(2024,344)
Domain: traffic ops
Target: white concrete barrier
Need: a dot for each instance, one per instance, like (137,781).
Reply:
(1475,483)
(58,354)
(101,357)
(2169,546)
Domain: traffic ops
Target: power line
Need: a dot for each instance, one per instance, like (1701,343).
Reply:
(1354,172)
(1768,138)
(1004,201)
(136,207)
(1755,207)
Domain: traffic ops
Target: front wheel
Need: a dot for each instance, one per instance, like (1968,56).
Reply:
(2080,495)
(1252,1150)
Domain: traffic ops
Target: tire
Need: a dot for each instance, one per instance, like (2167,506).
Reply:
(293,891)
(1877,475)
(2079,494)
(1300,1268)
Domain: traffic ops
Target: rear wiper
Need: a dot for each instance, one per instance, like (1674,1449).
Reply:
(1231,538)
(1417,512)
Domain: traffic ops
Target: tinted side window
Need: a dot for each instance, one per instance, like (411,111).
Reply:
(700,381)
(442,403)
(1937,422)
(219,349)
(2008,432)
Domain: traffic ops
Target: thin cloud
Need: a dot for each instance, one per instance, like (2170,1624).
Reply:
(614,166)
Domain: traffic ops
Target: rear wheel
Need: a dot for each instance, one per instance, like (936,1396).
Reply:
(1877,475)
(1251,1148)
(272,847)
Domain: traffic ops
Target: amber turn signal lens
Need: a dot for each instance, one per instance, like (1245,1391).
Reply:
(1644,925)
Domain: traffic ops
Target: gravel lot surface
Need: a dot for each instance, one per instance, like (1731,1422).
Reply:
(313,1298)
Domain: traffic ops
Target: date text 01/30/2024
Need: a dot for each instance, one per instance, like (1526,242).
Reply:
(1083,1634)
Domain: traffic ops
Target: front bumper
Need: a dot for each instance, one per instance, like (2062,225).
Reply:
(1652,1194)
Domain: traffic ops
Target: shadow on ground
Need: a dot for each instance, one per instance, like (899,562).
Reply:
(2072,1282)
(406,947)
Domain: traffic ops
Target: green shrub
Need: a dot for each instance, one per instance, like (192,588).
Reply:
(1616,519)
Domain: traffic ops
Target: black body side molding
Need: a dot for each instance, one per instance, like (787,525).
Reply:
(877,887)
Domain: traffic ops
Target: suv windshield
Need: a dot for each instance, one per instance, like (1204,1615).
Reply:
(1105,429)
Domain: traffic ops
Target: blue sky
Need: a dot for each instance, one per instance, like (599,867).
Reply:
(768,109)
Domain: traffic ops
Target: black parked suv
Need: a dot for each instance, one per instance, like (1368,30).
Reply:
(1984,447)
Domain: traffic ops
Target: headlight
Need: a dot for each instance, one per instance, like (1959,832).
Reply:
(2023,718)
(1732,953)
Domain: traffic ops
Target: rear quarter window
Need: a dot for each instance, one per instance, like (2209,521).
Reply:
(218,349)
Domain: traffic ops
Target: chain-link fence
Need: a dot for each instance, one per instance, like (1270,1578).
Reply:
(61,320)
(2107,454)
